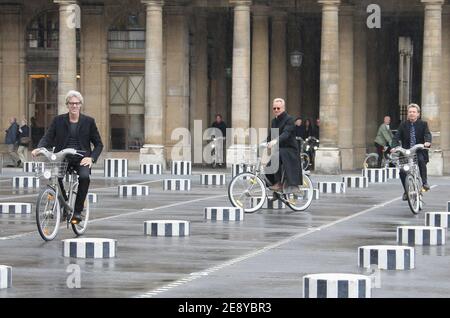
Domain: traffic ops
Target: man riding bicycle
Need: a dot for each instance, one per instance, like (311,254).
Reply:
(77,131)
(289,161)
(411,132)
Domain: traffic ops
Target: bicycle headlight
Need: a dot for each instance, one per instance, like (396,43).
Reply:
(53,157)
(47,174)
(408,152)
(213,146)
(315,148)
(406,168)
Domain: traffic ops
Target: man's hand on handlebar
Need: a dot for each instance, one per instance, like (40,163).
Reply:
(272,143)
(86,161)
(427,144)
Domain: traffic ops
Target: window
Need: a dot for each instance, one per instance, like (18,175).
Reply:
(43,31)
(126,101)
(128,32)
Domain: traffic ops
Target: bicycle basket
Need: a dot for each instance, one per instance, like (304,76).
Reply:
(405,160)
(52,169)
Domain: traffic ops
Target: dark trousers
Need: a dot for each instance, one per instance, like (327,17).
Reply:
(422,163)
(83,183)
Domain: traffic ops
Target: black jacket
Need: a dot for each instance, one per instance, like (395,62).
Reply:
(57,135)
(403,135)
(286,125)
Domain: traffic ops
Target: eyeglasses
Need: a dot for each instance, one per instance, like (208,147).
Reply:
(276,108)
(74,104)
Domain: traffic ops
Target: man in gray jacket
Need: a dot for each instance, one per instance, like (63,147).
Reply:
(384,138)
(11,140)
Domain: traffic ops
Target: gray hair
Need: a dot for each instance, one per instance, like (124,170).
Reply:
(76,94)
(280,100)
(414,106)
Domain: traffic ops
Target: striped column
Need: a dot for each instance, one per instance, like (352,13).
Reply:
(224,214)
(177,185)
(181,168)
(392,173)
(167,228)
(268,203)
(133,190)
(25,182)
(5,276)
(390,257)
(92,197)
(356,182)
(240,168)
(375,175)
(336,286)
(151,168)
(33,167)
(89,248)
(438,219)
(213,179)
(116,168)
(421,235)
(15,208)
(448,206)
(316,194)
(331,187)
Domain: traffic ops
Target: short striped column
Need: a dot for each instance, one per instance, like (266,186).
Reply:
(133,190)
(224,214)
(240,168)
(5,276)
(116,168)
(421,235)
(25,182)
(375,175)
(15,208)
(212,179)
(438,219)
(92,197)
(392,173)
(33,166)
(390,257)
(335,285)
(181,168)
(331,187)
(356,182)
(177,185)
(316,194)
(167,228)
(151,168)
(448,206)
(268,203)
(89,248)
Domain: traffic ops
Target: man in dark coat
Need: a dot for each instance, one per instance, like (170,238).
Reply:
(411,132)
(11,139)
(78,131)
(289,160)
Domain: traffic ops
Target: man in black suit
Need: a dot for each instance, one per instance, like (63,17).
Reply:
(78,131)
(288,149)
(411,132)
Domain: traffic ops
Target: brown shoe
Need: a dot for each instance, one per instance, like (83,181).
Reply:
(276,187)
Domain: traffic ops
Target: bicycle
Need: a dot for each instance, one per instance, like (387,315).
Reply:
(216,151)
(310,146)
(407,162)
(249,190)
(304,157)
(51,205)
(371,160)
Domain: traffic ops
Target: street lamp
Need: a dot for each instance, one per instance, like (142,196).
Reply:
(296,58)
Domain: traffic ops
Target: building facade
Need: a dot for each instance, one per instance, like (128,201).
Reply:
(148,67)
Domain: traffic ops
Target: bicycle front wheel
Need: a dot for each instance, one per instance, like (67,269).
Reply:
(47,213)
(80,228)
(413,193)
(302,197)
(247,191)
(371,161)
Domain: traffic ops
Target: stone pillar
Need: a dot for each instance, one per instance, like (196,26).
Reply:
(372,87)
(240,91)
(346,97)
(153,150)
(431,79)
(12,61)
(260,69)
(328,157)
(278,70)
(67,60)
(359,90)
(294,85)
(445,93)
(199,79)
(177,84)
(94,67)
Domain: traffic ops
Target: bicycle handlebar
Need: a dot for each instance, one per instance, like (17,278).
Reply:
(59,156)
(408,152)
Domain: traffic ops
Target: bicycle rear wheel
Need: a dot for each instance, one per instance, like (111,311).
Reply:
(80,228)
(371,161)
(413,193)
(47,213)
(301,199)
(247,191)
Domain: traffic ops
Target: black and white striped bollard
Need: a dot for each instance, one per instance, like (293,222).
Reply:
(25,182)
(356,182)
(89,248)
(336,285)
(133,190)
(390,257)
(167,228)
(151,168)
(224,214)
(377,175)
(116,168)
(439,219)
(5,276)
(15,208)
(212,179)
(177,185)
(331,187)
(421,235)
(181,168)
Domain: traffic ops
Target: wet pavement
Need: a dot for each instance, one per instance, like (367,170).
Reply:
(265,255)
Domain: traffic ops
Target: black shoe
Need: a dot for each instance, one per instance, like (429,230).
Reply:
(405,197)
(10,166)
(19,163)
(426,187)
(76,218)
